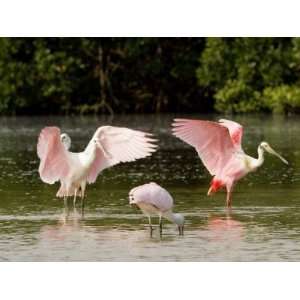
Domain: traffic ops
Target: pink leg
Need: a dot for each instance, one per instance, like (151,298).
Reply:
(229,195)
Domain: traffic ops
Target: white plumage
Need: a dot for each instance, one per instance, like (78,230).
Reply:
(152,199)
(109,146)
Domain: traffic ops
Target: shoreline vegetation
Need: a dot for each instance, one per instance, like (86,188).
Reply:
(149,75)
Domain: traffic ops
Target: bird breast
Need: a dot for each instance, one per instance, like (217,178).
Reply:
(80,164)
(250,163)
(147,209)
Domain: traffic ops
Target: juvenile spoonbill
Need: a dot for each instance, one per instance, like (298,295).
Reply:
(219,146)
(152,199)
(109,146)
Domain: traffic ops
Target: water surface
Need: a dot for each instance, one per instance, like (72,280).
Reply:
(264,224)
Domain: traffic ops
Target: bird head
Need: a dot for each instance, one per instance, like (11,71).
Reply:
(179,220)
(265,146)
(66,140)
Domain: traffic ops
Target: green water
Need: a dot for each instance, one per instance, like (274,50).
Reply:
(264,224)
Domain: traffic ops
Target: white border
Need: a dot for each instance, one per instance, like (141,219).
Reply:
(150,18)
(149,281)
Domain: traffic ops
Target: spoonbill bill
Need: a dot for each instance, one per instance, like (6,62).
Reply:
(152,199)
(109,146)
(219,146)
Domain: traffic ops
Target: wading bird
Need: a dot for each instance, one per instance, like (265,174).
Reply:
(152,199)
(109,146)
(219,146)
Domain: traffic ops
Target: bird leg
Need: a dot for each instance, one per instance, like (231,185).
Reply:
(66,210)
(82,204)
(180,229)
(74,201)
(82,207)
(160,224)
(150,226)
(210,191)
(229,196)
(82,188)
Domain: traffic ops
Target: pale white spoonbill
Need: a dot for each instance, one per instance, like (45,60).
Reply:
(152,199)
(219,146)
(109,146)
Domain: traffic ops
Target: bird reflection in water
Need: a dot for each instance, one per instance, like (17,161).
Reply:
(226,227)
(67,224)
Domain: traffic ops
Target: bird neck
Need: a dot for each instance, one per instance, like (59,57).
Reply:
(67,144)
(261,158)
(90,154)
(174,218)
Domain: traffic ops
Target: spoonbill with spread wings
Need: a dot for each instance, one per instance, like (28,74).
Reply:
(219,146)
(109,146)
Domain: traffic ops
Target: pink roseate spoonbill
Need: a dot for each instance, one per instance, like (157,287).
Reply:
(152,199)
(219,146)
(109,146)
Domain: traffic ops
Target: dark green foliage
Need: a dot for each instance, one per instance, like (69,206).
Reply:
(92,75)
(251,74)
(95,75)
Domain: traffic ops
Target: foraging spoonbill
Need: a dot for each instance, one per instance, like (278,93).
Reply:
(109,146)
(219,146)
(152,199)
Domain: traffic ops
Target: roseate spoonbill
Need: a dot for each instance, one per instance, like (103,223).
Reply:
(109,146)
(219,146)
(152,199)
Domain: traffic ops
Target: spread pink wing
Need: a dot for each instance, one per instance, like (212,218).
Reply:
(153,194)
(211,140)
(53,157)
(235,131)
(120,145)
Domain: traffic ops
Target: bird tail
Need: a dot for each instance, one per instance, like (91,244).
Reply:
(215,185)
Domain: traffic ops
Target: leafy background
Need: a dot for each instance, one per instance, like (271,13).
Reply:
(148,75)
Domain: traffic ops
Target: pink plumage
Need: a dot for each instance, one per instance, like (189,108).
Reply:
(219,145)
(109,146)
(211,140)
(54,163)
(153,199)
(121,145)
(153,194)
(235,131)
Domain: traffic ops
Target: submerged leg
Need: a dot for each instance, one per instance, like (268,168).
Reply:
(74,201)
(150,226)
(66,210)
(160,224)
(229,195)
(82,206)
(82,188)
(181,229)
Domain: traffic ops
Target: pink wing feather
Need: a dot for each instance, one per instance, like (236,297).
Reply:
(152,193)
(53,159)
(211,140)
(235,131)
(122,145)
